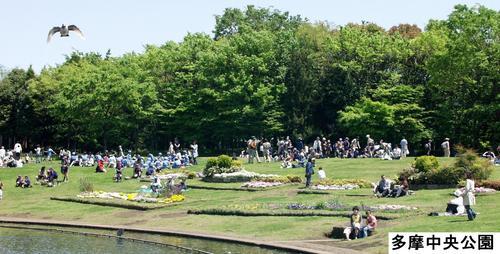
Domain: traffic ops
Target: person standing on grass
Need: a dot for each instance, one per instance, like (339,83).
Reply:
(446,147)
(251,149)
(1,190)
(38,154)
(17,151)
(468,196)
(266,150)
(194,151)
(309,171)
(428,147)
(404,148)
(65,169)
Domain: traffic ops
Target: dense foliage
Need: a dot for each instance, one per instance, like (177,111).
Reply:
(426,169)
(268,73)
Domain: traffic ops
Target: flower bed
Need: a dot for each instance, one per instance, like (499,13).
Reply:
(389,208)
(240,176)
(137,197)
(340,182)
(260,184)
(328,205)
(171,176)
(336,187)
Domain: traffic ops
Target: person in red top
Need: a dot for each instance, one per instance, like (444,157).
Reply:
(371,223)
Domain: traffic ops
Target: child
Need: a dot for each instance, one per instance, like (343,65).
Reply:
(19,181)
(355,224)
(52,177)
(1,190)
(65,170)
(27,182)
(118,176)
(41,175)
(321,173)
(371,224)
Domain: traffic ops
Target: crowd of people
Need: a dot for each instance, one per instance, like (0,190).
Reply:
(294,154)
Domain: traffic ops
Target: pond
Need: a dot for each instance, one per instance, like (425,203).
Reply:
(36,240)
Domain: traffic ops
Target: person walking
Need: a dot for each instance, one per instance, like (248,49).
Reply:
(446,147)
(309,171)
(468,196)
(404,148)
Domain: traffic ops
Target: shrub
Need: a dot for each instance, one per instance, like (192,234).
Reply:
(493,184)
(424,164)
(211,162)
(236,164)
(191,175)
(469,161)
(86,185)
(445,175)
(224,161)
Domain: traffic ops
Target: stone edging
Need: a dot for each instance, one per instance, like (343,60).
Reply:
(251,242)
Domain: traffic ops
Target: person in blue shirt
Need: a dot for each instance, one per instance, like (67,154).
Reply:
(309,171)
(27,182)
(49,154)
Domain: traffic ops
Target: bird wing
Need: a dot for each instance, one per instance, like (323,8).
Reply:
(52,32)
(76,29)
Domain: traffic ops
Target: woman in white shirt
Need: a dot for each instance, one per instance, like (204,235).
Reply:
(468,196)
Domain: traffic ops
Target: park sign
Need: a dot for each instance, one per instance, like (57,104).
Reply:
(444,243)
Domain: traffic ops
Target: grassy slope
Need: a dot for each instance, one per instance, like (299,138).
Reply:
(35,203)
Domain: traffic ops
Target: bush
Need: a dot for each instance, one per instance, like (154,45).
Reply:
(424,164)
(86,185)
(445,175)
(426,169)
(224,161)
(221,164)
(211,162)
(493,184)
(469,161)
(236,164)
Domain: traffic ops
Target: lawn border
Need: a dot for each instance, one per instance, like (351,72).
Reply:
(251,242)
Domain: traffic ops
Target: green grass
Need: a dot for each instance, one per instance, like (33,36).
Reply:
(35,203)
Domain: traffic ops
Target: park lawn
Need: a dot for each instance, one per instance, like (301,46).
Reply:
(35,203)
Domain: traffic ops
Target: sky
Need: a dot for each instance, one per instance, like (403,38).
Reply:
(127,25)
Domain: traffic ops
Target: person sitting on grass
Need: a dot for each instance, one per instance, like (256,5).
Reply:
(355,225)
(402,189)
(137,169)
(27,182)
(19,181)
(41,177)
(371,224)
(52,177)
(321,174)
(156,184)
(100,167)
(383,188)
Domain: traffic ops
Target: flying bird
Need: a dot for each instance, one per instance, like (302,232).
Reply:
(64,31)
